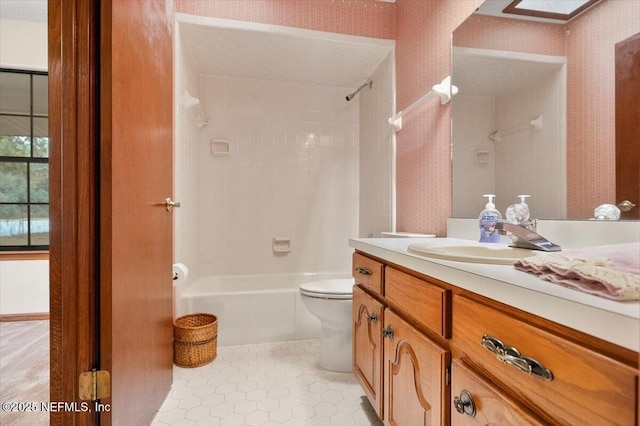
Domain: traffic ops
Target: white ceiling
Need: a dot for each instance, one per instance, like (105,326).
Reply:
(476,75)
(328,61)
(24,10)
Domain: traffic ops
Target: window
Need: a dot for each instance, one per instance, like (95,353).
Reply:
(24,160)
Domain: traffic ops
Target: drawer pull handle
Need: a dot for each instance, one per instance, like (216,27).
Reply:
(373,318)
(387,333)
(363,271)
(464,404)
(510,355)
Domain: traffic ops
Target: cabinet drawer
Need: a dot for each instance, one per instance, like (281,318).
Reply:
(368,272)
(476,402)
(586,388)
(426,302)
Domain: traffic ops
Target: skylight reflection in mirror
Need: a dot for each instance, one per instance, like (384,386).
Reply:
(552,9)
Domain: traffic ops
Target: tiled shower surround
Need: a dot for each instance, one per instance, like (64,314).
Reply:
(291,172)
(281,177)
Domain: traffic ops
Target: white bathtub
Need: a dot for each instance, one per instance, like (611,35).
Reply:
(255,308)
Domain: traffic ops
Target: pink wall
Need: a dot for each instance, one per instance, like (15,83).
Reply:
(367,18)
(423,165)
(496,33)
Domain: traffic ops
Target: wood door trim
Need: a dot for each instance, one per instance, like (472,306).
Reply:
(73,206)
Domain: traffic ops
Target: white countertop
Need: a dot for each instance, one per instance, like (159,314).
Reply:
(615,322)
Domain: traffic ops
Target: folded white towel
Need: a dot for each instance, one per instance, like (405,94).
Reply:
(611,271)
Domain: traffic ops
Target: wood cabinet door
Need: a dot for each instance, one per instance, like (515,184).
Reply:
(476,402)
(415,388)
(367,346)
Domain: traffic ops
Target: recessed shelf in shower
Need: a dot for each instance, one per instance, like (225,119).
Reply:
(220,147)
(281,245)
(481,156)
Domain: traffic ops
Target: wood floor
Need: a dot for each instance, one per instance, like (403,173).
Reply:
(24,371)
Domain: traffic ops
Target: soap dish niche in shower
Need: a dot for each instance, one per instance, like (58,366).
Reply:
(220,147)
(481,156)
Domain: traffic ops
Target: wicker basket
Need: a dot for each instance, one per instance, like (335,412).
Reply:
(194,354)
(195,328)
(195,340)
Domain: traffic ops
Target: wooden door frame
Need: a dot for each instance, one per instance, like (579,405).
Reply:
(74,208)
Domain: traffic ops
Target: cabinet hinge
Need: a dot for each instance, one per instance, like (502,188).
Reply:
(94,385)
(447,376)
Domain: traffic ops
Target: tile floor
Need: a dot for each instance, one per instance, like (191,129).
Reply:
(273,384)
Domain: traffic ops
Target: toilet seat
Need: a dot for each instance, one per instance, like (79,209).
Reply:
(338,289)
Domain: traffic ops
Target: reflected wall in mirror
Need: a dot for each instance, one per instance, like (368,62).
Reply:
(559,75)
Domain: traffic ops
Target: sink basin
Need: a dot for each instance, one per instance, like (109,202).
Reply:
(497,254)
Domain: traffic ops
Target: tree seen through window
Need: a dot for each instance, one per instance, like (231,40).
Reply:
(24,161)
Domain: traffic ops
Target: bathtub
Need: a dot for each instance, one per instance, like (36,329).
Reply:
(255,308)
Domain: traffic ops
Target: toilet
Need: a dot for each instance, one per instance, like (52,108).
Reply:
(330,301)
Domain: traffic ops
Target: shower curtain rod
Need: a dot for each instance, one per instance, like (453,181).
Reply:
(445,90)
(536,124)
(355,92)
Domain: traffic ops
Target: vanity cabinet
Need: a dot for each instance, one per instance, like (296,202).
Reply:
(429,352)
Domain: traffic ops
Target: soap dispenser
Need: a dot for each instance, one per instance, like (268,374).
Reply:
(488,219)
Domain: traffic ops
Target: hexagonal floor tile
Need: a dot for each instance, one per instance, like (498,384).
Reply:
(276,384)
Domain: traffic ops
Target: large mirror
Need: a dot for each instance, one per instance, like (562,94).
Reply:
(535,112)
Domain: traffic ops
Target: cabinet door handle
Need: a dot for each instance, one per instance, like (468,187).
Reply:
(373,318)
(387,333)
(464,404)
(363,271)
(510,355)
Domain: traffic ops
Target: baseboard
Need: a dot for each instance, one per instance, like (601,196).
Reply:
(32,316)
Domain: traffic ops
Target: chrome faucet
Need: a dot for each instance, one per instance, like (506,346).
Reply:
(525,236)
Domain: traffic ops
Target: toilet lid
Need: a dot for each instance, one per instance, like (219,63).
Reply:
(330,289)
